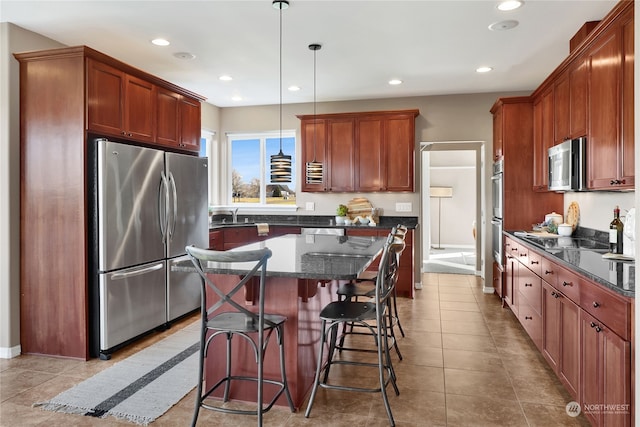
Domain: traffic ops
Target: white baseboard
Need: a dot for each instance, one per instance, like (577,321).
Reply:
(10,352)
(417,285)
(488,290)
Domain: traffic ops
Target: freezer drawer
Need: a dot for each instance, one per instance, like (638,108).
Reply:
(183,291)
(132,302)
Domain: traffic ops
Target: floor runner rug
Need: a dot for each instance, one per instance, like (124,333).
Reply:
(140,388)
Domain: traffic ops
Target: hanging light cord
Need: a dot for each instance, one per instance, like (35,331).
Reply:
(280,7)
(315,125)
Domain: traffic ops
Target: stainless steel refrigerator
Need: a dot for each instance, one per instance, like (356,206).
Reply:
(150,204)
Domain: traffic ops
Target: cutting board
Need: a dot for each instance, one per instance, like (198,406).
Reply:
(540,234)
(359,207)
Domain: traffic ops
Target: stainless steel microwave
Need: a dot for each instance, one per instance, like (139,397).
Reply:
(568,165)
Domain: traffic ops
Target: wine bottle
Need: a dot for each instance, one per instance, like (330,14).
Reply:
(615,233)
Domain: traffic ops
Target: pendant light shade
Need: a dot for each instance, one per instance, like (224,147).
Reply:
(314,170)
(280,163)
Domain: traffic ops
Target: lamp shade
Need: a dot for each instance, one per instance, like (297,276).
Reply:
(441,192)
(280,167)
(315,173)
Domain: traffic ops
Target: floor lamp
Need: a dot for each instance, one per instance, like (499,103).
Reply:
(440,193)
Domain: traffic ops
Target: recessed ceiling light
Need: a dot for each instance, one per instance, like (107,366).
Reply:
(503,25)
(184,55)
(236,98)
(160,42)
(510,5)
(483,69)
(395,81)
(225,78)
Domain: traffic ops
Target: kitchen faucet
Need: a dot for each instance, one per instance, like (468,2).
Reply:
(234,214)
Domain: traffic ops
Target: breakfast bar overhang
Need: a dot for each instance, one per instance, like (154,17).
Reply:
(302,277)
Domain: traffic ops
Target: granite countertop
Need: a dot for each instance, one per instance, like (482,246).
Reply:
(319,257)
(324,221)
(618,276)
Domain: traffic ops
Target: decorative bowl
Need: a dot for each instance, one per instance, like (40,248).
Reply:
(565,230)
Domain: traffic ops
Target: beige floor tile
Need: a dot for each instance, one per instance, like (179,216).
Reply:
(467,362)
(482,411)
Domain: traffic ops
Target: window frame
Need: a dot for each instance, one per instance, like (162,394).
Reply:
(262,137)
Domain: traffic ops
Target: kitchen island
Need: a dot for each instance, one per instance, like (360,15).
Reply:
(302,277)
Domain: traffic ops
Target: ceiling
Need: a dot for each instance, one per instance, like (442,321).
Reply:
(434,47)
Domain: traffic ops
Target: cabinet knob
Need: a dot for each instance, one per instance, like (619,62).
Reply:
(593,325)
(555,294)
(535,262)
(528,318)
(598,329)
(596,304)
(528,284)
(548,272)
(514,249)
(565,283)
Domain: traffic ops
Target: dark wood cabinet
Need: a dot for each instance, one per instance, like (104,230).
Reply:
(341,154)
(570,102)
(522,206)
(610,158)
(65,93)
(120,104)
(216,240)
(561,337)
(627,145)
(543,138)
(497,279)
(190,129)
(606,374)
(582,329)
(361,152)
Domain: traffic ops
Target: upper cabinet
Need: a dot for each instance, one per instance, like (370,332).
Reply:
(127,103)
(591,94)
(361,152)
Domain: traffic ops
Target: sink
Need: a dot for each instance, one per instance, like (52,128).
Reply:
(555,244)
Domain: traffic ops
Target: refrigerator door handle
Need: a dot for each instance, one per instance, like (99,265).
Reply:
(174,193)
(136,272)
(164,222)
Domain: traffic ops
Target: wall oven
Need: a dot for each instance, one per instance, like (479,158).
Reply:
(497,190)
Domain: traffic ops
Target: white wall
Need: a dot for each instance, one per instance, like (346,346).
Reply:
(454,169)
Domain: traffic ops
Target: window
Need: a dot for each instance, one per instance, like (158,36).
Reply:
(249,157)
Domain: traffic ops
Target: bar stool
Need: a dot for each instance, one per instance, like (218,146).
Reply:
(222,316)
(364,286)
(371,315)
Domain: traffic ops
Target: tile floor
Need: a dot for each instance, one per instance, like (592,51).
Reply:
(467,362)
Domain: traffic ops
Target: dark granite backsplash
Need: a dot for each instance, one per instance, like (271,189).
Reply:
(310,220)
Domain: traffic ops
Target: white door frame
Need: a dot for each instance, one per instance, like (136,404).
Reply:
(479,148)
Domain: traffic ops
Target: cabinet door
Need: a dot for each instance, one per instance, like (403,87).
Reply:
(167,117)
(628,164)
(139,109)
(105,93)
(604,111)
(578,79)
(561,108)
(370,154)
(569,324)
(314,145)
(543,131)
(497,135)
(341,155)
(497,279)
(190,131)
(550,325)
(399,153)
(606,374)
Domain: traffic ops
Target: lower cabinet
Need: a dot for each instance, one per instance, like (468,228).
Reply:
(561,337)
(606,370)
(497,279)
(582,329)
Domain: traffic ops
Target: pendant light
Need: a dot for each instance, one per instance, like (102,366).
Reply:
(315,172)
(280,163)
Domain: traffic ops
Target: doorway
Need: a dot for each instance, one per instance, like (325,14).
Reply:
(452,207)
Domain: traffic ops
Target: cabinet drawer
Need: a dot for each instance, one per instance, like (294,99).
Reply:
(531,321)
(530,288)
(535,262)
(549,271)
(568,283)
(608,308)
(523,255)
